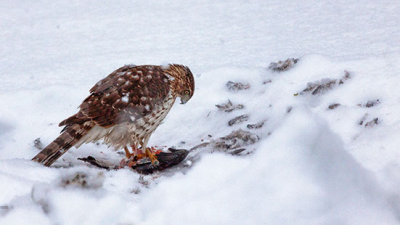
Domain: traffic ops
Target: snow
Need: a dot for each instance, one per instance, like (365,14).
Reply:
(317,179)
(306,164)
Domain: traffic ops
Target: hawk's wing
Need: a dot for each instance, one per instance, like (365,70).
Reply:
(128,93)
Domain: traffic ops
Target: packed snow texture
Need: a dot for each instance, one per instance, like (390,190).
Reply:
(311,140)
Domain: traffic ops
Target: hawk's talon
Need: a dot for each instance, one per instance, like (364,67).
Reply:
(131,163)
(152,154)
(137,156)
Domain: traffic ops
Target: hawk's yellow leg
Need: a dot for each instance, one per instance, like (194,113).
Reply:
(137,154)
(127,153)
(132,157)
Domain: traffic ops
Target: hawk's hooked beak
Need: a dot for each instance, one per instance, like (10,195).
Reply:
(185,99)
(182,101)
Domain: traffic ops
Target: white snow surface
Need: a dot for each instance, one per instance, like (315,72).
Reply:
(311,164)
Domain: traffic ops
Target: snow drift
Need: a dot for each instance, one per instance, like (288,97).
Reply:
(312,140)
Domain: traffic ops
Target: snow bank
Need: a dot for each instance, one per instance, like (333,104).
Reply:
(272,152)
(299,168)
(301,175)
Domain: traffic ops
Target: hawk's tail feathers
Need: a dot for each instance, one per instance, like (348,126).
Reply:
(68,138)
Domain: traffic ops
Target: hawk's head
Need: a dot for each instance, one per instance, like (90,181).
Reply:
(184,81)
(188,90)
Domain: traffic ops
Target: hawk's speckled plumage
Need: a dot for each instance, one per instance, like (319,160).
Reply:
(123,109)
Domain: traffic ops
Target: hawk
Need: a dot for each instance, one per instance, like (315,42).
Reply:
(124,109)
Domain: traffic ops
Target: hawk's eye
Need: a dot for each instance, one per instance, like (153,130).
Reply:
(186,92)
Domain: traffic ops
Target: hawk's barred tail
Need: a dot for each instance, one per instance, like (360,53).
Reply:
(68,138)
